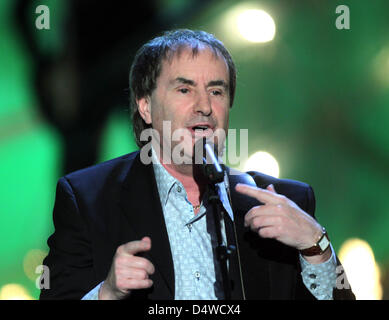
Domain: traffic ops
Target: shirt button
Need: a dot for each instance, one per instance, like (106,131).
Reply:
(313,286)
(179,189)
(197,275)
(312,276)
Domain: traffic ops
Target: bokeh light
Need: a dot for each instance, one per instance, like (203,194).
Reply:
(32,259)
(14,291)
(263,162)
(246,24)
(361,269)
(256,25)
(380,67)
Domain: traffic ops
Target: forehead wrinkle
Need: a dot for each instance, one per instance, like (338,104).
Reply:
(177,54)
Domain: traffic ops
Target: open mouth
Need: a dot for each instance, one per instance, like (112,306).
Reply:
(201,130)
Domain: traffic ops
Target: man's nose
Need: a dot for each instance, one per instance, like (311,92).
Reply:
(203,104)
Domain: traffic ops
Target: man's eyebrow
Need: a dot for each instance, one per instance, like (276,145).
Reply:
(184,81)
(212,83)
(215,83)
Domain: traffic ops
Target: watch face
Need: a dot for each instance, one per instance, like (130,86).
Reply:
(324,243)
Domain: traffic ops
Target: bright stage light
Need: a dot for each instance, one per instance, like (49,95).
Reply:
(263,162)
(14,291)
(246,23)
(362,272)
(256,25)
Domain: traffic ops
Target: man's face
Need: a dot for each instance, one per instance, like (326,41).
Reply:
(192,93)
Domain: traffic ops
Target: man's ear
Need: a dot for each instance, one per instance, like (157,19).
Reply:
(144,108)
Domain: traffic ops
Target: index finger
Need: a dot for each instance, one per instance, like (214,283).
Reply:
(262,195)
(137,246)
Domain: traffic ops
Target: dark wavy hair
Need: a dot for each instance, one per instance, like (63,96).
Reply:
(147,65)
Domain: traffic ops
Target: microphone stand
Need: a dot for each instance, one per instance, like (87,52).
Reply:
(222,252)
(215,174)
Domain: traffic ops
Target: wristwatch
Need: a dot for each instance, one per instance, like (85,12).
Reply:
(319,247)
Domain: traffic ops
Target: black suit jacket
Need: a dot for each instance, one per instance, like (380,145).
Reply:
(99,208)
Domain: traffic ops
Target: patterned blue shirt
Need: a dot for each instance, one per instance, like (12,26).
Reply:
(192,244)
(192,241)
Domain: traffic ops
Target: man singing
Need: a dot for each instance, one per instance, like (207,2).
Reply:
(127,229)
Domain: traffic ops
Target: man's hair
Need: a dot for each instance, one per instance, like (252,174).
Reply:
(147,66)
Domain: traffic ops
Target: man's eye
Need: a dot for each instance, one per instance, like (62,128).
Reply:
(183,90)
(216,92)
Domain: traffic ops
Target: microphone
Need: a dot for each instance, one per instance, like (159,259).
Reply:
(210,165)
(205,154)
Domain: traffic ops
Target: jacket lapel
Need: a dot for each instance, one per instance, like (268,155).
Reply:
(141,205)
(255,269)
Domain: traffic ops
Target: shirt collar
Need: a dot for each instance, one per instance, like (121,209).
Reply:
(165,181)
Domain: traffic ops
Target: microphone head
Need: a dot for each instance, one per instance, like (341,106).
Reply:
(205,154)
(202,151)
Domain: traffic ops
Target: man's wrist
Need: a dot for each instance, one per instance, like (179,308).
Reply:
(105,294)
(320,244)
(319,258)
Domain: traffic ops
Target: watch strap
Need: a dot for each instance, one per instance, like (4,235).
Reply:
(316,248)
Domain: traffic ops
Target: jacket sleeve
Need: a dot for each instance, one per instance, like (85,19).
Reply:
(69,261)
(341,291)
